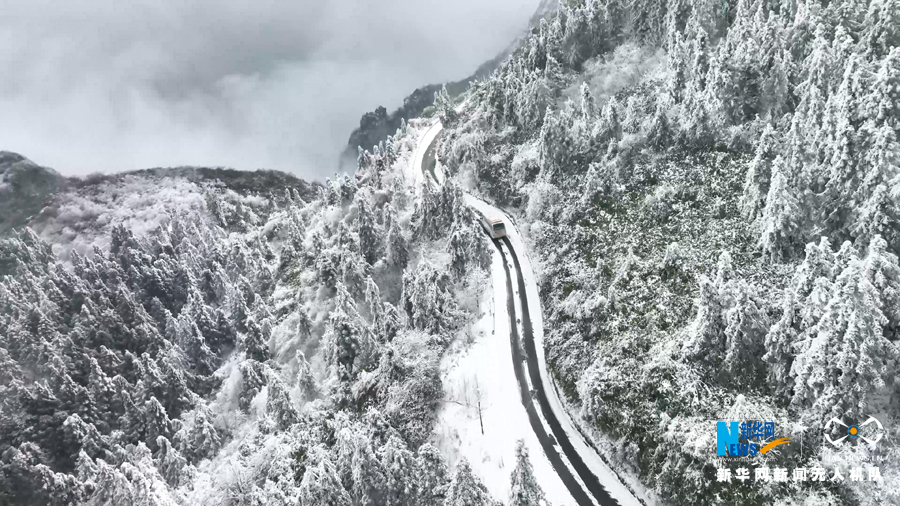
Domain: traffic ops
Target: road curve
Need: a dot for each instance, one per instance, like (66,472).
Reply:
(565,474)
(590,480)
(585,485)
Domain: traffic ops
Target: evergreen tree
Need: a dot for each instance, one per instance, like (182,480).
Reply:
(756,184)
(173,467)
(443,104)
(882,26)
(746,326)
(279,405)
(779,345)
(780,221)
(842,149)
(79,436)
(881,269)
(524,488)
(366,227)
(201,439)
(26,479)
(874,199)
(321,485)
(255,342)
(707,336)
(156,423)
(659,136)
(845,363)
(365,472)
(111,486)
(400,472)
(432,475)
(344,337)
(878,213)
(466,489)
(588,107)
(253,378)
(427,300)
(396,249)
(609,126)
(305,378)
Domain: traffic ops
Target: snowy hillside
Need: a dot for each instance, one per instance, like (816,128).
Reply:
(711,193)
(198,336)
(24,189)
(701,200)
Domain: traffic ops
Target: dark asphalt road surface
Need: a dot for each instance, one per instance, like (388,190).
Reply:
(548,442)
(536,425)
(590,480)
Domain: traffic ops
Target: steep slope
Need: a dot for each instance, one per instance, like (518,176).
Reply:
(377,125)
(674,168)
(198,336)
(24,189)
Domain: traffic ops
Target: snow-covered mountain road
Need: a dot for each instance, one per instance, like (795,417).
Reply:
(586,477)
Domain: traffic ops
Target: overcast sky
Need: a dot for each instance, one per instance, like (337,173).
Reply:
(107,85)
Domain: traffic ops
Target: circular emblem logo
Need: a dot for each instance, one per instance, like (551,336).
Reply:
(872,427)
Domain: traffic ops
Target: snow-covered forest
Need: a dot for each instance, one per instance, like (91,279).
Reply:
(198,336)
(710,193)
(712,190)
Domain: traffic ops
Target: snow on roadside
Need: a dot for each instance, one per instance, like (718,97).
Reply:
(517,300)
(595,463)
(415,173)
(487,360)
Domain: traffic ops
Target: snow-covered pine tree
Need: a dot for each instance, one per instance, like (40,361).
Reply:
(756,183)
(366,228)
(705,343)
(359,463)
(659,134)
(880,267)
(344,337)
(305,378)
(875,209)
(881,32)
(777,83)
(173,467)
(396,247)
(746,325)
(588,106)
(524,488)
(432,475)
(780,221)
(321,484)
(877,212)
(466,489)
(279,405)
(779,345)
(443,104)
(608,127)
(157,423)
(427,300)
(399,466)
(842,150)
(200,439)
(846,360)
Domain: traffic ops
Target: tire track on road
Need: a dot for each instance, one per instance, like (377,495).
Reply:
(537,425)
(587,477)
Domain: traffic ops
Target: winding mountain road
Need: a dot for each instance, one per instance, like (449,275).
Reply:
(583,472)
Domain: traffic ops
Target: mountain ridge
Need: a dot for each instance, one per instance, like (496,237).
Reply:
(375,126)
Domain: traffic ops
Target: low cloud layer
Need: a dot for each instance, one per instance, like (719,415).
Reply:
(108,86)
